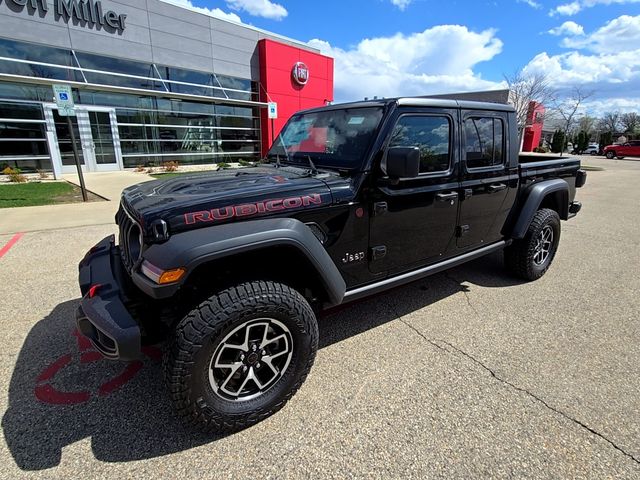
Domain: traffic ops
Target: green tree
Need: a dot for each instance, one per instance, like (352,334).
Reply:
(583,141)
(558,142)
(606,138)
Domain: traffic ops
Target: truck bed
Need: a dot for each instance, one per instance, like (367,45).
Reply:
(539,166)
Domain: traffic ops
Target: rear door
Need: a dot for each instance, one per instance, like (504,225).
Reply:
(413,222)
(488,182)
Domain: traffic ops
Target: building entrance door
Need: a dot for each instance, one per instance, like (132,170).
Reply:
(97,138)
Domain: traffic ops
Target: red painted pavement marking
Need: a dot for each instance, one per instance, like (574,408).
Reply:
(90,357)
(10,244)
(46,393)
(124,377)
(54,368)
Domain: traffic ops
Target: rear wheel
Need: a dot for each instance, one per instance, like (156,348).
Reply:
(240,356)
(610,155)
(531,257)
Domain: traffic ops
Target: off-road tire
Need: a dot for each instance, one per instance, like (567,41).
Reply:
(188,355)
(519,256)
(610,155)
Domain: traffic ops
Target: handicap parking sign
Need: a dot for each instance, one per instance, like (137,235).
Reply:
(273,110)
(64,100)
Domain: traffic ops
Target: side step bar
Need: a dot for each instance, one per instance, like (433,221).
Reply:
(420,273)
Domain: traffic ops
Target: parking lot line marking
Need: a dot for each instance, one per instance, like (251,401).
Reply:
(10,243)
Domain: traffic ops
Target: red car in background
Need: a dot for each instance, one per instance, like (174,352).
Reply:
(629,149)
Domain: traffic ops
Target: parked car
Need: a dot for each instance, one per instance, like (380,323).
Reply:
(592,149)
(629,149)
(231,268)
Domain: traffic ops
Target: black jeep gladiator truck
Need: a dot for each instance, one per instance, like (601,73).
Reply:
(230,268)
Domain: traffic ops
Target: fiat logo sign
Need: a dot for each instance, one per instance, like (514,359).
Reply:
(300,73)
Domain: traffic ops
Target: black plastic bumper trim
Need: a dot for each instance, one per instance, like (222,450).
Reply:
(103,318)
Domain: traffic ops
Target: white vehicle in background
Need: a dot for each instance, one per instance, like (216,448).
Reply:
(592,149)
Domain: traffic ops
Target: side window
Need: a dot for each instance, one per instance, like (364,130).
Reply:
(430,134)
(484,142)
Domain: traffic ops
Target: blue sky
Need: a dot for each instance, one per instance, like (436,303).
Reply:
(408,47)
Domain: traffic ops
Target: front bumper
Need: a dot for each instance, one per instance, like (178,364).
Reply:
(102,316)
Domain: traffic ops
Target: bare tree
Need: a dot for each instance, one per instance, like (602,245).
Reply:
(526,88)
(610,122)
(587,124)
(630,122)
(568,107)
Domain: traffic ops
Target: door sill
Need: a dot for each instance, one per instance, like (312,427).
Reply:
(414,275)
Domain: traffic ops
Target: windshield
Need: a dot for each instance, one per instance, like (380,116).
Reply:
(332,138)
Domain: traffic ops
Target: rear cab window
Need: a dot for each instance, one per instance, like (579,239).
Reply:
(484,139)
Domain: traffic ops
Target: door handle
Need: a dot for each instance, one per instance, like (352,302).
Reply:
(496,187)
(447,197)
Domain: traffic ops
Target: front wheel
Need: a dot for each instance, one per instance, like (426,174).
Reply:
(531,257)
(610,155)
(238,357)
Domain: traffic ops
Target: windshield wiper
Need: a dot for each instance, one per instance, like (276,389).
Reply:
(314,170)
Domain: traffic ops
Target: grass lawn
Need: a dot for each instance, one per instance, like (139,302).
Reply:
(45,193)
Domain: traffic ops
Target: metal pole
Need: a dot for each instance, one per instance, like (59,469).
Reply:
(76,156)
(273,131)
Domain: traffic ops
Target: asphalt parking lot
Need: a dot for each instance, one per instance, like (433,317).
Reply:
(463,375)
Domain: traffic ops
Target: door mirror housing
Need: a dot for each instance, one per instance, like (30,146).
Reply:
(403,162)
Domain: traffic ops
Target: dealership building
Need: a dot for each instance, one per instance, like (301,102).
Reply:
(152,82)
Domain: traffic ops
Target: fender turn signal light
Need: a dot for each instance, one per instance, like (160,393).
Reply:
(171,276)
(161,277)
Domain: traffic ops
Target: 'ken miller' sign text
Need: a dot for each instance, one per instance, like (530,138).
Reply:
(87,11)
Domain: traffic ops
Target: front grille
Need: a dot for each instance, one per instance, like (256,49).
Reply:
(130,243)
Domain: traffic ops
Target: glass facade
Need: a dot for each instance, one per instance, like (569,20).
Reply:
(155,124)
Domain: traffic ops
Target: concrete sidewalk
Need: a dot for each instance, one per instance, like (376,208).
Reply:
(51,217)
(108,185)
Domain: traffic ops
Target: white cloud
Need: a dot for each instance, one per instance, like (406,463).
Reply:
(531,3)
(213,12)
(618,35)
(576,6)
(401,4)
(568,28)
(259,8)
(607,62)
(438,60)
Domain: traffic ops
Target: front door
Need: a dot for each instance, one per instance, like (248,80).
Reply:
(413,223)
(97,141)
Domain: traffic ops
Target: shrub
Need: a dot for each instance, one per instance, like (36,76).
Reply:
(10,171)
(223,165)
(540,150)
(245,163)
(17,177)
(43,175)
(170,166)
(140,168)
(150,170)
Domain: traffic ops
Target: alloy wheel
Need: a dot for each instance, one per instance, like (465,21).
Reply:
(251,359)
(544,244)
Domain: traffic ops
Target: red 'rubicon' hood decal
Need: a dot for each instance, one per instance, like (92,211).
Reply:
(251,209)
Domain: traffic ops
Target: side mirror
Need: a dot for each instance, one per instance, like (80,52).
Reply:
(403,162)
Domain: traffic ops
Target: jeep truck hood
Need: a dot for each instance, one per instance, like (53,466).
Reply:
(205,199)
